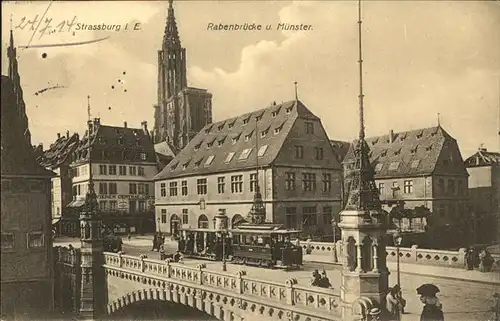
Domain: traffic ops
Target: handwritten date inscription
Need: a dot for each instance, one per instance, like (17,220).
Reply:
(45,26)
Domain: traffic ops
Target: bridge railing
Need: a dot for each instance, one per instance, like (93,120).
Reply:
(413,254)
(289,293)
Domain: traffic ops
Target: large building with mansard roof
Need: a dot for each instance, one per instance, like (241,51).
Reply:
(123,163)
(422,167)
(283,145)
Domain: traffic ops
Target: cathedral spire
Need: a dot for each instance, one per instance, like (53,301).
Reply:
(171,36)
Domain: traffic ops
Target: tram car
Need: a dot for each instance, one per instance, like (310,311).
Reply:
(264,245)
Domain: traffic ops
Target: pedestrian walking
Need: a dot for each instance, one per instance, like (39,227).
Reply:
(469,259)
(394,304)
(129,236)
(496,307)
(432,310)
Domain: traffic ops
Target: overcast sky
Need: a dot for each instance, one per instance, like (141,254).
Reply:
(421,58)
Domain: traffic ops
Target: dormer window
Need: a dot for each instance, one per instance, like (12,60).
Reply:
(378,167)
(210,159)
(211,143)
(374,141)
(429,148)
(186,164)
(402,138)
(220,127)
(120,140)
(197,146)
(248,136)
(235,138)
(229,157)
(415,163)
(221,141)
(393,166)
(419,135)
(198,163)
(276,112)
(143,156)
(259,117)
(174,166)
(397,152)
(208,129)
(277,130)
(246,120)
(383,154)
(231,125)
(262,151)
(264,132)
(413,151)
(289,110)
(245,153)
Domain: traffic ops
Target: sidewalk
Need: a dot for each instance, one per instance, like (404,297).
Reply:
(425,270)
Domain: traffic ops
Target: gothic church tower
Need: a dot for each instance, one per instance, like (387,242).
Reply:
(181,111)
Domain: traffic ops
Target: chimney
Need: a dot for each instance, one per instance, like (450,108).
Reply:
(391,136)
(67,134)
(125,124)
(144,125)
(58,135)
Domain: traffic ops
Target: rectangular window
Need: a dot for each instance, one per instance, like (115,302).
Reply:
(103,188)
(318,153)
(163,190)
(140,170)
(122,170)
(112,169)
(291,217)
(290,181)
(220,185)
(460,187)
(185,216)
(245,153)
(309,128)
(395,189)
(327,182)
(103,205)
(173,188)
(309,216)
(184,188)
(441,185)
(408,187)
(146,189)
(132,188)
(7,241)
(132,170)
(132,204)
(381,188)
(140,188)
(164,216)
(451,186)
(201,185)
(113,205)
(299,152)
(35,240)
(327,214)
(253,182)
(237,184)
(113,189)
(103,169)
(142,206)
(309,182)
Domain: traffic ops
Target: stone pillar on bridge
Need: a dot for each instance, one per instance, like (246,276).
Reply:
(92,298)
(364,281)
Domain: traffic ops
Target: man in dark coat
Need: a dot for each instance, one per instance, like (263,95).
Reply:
(432,309)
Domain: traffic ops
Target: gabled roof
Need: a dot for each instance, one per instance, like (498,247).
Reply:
(59,151)
(230,144)
(113,140)
(411,153)
(340,148)
(483,158)
(17,154)
(166,149)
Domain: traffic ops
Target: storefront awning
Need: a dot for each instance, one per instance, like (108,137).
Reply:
(55,220)
(76,203)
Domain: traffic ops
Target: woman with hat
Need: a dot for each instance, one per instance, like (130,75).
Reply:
(432,307)
(393,304)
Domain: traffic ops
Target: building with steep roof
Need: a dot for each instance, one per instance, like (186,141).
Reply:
(283,149)
(484,194)
(27,288)
(57,158)
(422,167)
(181,111)
(123,163)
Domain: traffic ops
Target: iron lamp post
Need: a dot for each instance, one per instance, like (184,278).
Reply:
(398,238)
(158,221)
(334,227)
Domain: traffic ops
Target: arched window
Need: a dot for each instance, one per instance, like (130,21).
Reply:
(236,219)
(203,221)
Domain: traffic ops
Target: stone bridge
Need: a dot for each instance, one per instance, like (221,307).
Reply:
(223,295)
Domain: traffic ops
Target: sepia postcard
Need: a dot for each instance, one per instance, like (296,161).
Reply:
(250,160)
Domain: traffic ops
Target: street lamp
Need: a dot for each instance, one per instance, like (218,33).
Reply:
(398,238)
(221,224)
(158,221)
(334,227)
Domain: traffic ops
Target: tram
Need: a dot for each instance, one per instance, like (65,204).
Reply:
(265,245)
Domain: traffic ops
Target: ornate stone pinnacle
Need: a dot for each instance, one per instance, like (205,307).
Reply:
(257,214)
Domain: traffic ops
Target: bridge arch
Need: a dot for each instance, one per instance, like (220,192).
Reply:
(155,294)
